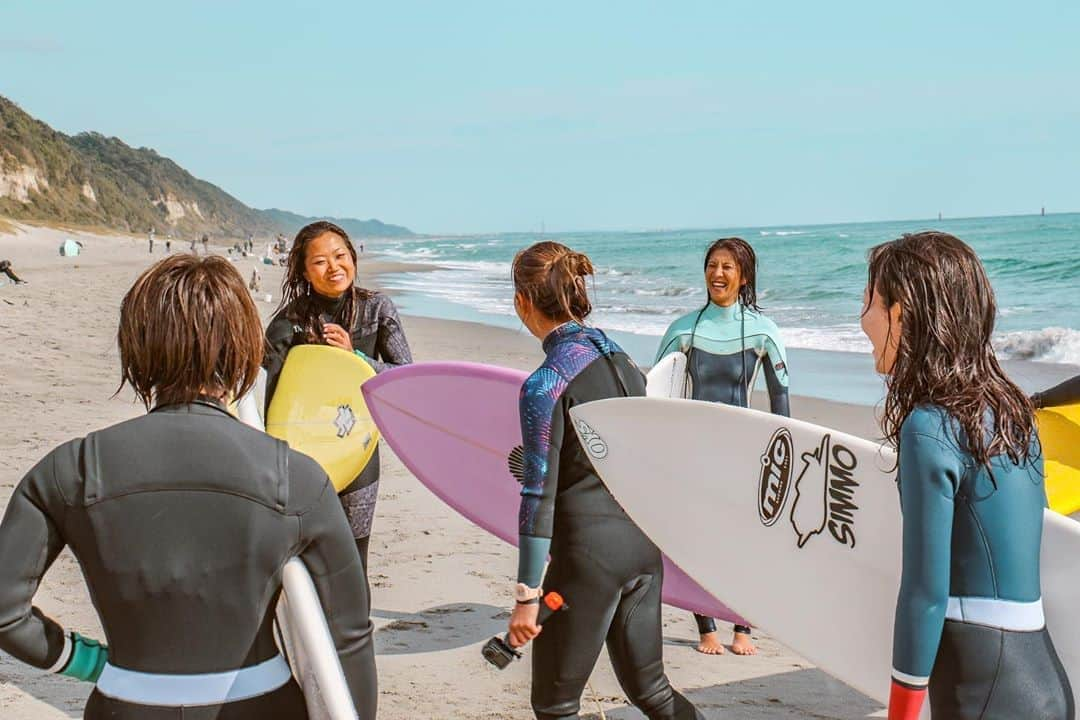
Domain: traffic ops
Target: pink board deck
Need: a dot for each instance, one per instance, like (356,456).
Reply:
(453,424)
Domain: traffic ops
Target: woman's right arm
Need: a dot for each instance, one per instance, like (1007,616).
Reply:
(668,344)
(1066,393)
(30,541)
(334,564)
(280,337)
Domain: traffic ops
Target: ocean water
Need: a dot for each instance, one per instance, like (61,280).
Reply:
(810,279)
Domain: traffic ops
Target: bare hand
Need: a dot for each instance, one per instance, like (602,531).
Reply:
(336,336)
(523,627)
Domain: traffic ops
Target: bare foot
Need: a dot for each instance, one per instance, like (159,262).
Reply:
(742,644)
(710,645)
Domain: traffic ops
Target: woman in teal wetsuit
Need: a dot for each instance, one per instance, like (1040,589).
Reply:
(727,342)
(969,622)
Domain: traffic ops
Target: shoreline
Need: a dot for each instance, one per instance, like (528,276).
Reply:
(834,375)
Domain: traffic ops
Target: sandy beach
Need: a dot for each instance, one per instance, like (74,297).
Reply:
(439,584)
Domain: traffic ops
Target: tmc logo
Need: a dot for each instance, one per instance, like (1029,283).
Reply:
(775,480)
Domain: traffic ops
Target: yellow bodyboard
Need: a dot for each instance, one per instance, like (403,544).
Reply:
(319,410)
(1059,431)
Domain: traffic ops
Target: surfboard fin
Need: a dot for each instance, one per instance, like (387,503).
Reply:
(516,463)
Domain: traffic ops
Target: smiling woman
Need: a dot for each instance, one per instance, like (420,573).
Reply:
(726,343)
(321,305)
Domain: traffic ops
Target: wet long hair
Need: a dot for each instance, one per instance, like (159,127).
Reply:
(746,258)
(552,277)
(944,356)
(189,327)
(299,301)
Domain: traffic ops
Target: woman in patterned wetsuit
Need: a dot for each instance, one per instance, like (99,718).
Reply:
(969,624)
(320,304)
(607,569)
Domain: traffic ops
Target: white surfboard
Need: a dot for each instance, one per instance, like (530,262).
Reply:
(249,407)
(301,622)
(813,518)
(310,647)
(669,378)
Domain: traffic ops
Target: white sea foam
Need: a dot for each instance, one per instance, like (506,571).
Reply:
(1053,344)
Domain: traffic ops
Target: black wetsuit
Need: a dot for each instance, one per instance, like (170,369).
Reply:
(1066,393)
(607,569)
(378,335)
(181,521)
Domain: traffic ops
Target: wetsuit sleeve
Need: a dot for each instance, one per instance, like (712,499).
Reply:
(776,376)
(929,475)
(542,436)
(332,560)
(30,540)
(391,347)
(669,343)
(1066,393)
(279,340)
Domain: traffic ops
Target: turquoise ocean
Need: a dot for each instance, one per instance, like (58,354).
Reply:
(810,282)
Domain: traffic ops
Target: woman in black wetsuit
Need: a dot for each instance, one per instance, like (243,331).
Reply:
(609,572)
(318,302)
(182,520)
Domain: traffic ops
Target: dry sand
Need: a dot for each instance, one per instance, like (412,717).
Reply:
(439,584)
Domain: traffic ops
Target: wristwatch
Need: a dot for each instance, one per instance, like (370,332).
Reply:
(524,594)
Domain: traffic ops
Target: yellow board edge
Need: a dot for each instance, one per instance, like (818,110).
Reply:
(319,409)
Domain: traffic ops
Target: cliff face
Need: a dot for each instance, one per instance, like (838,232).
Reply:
(96,180)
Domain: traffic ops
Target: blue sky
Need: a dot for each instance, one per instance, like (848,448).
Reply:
(475,117)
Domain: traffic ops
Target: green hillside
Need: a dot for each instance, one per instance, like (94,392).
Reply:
(91,179)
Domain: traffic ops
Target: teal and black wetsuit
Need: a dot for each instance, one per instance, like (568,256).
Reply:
(607,569)
(969,617)
(726,347)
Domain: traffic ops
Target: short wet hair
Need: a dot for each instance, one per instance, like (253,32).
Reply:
(188,327)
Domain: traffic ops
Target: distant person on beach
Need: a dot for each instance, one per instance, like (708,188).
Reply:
(1066,393)
(969,621)
(206,244)
(601,562)
(168,243)
(321,304)
(150,235)
(5,267)
(192,244)
(256,280)
(181,520)
(727,342)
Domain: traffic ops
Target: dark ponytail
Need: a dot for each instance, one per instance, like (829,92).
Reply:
(552,277)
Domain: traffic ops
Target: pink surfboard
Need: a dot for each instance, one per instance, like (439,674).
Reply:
(453,424)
